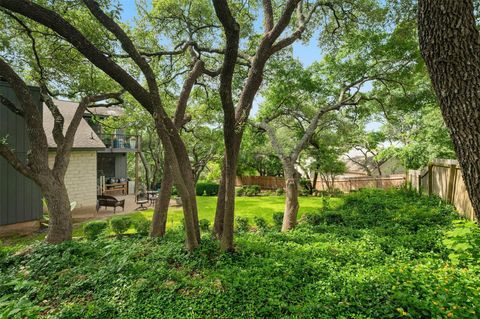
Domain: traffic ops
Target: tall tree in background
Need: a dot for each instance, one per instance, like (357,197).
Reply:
(297,103)
(450,45)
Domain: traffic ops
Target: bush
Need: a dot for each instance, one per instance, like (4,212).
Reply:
(248,190)
(206,188)
(242,224)
(261,223)
(142,225)
(94,229)
(204,225)
(332,218)
(312,218)
(305,189)
(280,192)
(278,219)
(120,224)
(334,192)
(174,191)
(240,191)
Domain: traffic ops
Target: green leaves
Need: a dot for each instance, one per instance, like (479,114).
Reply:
(463,242)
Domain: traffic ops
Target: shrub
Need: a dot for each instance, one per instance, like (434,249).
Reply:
(312,218)
(204,225)
(94,229)
(279,191)
(120,224)
(206,188)
(174,191)
(242,224)
(240,191)
(305,189)
(248,190)
(278,219)
(331,217)
(142,225)
(261,223)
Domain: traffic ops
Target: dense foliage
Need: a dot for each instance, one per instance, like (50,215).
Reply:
(380,255)
(206,188)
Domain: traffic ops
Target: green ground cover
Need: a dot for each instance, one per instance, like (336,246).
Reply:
(375,254)
(249,207)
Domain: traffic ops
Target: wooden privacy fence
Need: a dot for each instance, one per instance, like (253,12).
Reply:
(444,179)
(345,184)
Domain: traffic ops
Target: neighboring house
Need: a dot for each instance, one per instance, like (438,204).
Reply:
(20,197)
(81,176)
(361,163)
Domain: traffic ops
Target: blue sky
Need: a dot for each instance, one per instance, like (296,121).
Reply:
(306,53)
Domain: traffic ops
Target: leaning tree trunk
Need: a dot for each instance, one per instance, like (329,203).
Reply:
(450,46)
(176,154)
(58,204)
(159,220)
(291,199)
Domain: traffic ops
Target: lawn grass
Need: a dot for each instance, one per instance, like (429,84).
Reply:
(378,255)
(260,206)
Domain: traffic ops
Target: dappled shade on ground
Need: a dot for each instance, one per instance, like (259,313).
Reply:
(380,255)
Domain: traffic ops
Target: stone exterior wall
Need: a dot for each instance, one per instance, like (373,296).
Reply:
(81,179)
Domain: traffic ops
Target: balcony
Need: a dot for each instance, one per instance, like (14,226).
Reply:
(120,142)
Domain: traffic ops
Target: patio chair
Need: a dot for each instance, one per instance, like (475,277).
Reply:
(109,201)
(152,196)
(141,199)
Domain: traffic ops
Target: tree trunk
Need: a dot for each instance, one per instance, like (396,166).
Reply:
(231,150)
(291,199)
(177,158)
(146,167)
(315,179)
(159,220)
(220,210)
(450,46)
(58,204)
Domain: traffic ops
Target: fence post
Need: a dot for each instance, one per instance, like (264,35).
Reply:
(430,179)
(419,177)
(451,182)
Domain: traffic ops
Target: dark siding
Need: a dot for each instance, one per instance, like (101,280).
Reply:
(121,165)
(20,198)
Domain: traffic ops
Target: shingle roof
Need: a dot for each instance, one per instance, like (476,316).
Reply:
(106,111)
(85,137)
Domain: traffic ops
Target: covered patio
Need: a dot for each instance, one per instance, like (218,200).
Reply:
(129,207)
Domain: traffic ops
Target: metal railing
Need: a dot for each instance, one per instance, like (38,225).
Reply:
(120,141)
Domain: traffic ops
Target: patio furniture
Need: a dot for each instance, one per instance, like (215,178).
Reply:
(114,188)
(109,201)
(152,196)
(141,199)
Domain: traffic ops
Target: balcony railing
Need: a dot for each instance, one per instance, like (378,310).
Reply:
(120,141)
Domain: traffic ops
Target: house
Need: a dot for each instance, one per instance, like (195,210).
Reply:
(361,163)
(81,175)
(98,163)
(112,161)
(20,197)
